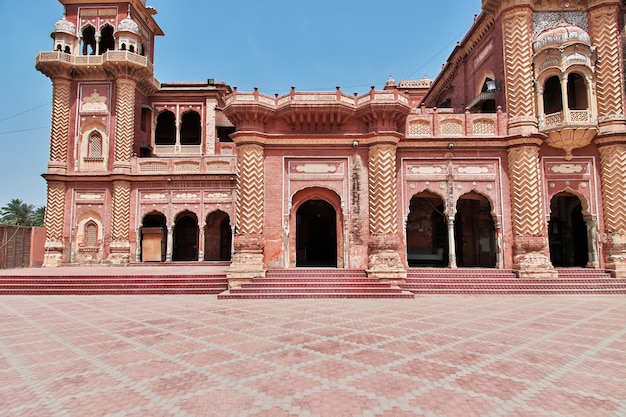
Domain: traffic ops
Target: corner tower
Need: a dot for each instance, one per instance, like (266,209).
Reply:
(101,67)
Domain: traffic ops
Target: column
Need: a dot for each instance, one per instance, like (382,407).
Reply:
(517,35)
(201,244)
(384,242)
(124,124)
(170,243)
(592,242)
(565,99)
(613,176)
(119,249)
(247,261)
(55,212)
(530,244)
(605,31)
(451,242)
(59,131)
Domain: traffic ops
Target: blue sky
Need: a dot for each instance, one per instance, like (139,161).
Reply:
(271,44)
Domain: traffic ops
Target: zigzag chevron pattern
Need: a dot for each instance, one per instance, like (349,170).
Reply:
(59,133)
(606,37)
(250,192)
(121,210)
(517,31)
(124,119)
(382,189)
(526,203)
(613,161)
(55,210)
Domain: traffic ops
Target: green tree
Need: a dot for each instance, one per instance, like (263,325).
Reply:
(19,213)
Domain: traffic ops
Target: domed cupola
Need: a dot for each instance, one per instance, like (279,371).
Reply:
(64,36)
(128,34)
(560,36)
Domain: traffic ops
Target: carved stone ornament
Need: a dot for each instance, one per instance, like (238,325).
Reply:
(571,138)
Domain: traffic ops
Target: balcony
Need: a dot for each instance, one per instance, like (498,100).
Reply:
(569,129)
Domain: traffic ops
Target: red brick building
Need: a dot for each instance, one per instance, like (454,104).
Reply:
(514,157)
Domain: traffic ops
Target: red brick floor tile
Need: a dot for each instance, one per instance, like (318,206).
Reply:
(102,403)
(364,338)
(453,404)
(494,386)
(290,356)
(295,338)
(205,357)
(16,395)
(512,369)
(282,384)
(385,385)
(84,382)
(218,403)
(150,369)
(335,403)
(330,347)
(181,384)
(574,405)
(590,384)
(457,357)
(426,370)
(372,357)
(242,368)
(333,369)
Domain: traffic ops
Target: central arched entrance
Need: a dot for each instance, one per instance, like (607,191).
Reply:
(567,232)
(185,237)
(426,231)
(217,237)
(316,234)
(474,232)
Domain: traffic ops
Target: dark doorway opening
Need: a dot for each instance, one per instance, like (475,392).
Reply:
(217,237)
(153,238)
(567,232)
(185,238)
(316,234)
(426,231)
(474,232)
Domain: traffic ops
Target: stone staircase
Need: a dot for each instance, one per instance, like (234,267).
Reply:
(315,283)
(424,281)
(113,284)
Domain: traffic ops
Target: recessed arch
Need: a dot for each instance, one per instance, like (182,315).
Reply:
(185,237)
(153,237)
(316,217)
(165,131)
(474,231)
(190,128)
(567,231)
(217,236)
(107,38)
(426,230)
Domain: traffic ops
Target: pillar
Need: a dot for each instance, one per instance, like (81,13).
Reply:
(613,176)
(124,124)
(119,249)
(530,240)
(55,213)
(451,242)
(59,131)
(247,261)
(384,243)
(169,249)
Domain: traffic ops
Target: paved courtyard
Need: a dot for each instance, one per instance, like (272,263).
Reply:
(439,356)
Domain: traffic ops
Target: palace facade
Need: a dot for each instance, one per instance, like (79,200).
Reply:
(514,157)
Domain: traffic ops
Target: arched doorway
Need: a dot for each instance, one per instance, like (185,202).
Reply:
(316,234)
(567,232)
(426,231)
(153,238)
(217,237)
(185,237)
(474,232)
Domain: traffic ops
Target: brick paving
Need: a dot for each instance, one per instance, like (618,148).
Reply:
(189,355)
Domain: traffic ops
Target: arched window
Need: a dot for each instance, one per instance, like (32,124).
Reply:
(190,130)
(91,234)
(107,41)
(552,95)
(94,145)
(68,50)
(131,48)
(576,92)
(165,133)
(89,41)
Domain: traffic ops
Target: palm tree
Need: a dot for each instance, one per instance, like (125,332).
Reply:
(17,213)
(39,216)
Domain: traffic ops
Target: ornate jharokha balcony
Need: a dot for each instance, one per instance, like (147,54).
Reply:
(50,62)
(569,129)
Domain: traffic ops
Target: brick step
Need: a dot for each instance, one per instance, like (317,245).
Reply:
(299,280)
(337,273)
(523,291)
(114,284)
(514,281)
(316,284)
(589,285)
(110,291)
(277,295)
(317,290)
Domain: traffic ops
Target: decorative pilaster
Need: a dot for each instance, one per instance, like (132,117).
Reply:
(59,131)
(124,123)
(531,256)
(247,261)
(613,174)
(384,260)
(55,212)
(605,33)
(517,34)
(120,244)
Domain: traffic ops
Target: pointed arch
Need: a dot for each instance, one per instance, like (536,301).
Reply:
(185,236)
(426,230)
(474,231)
(107,38)
(88,36)
(191,128)
(217,236)
(165,131)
